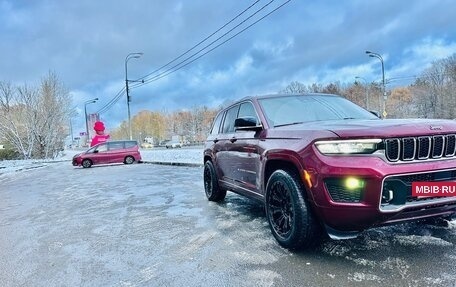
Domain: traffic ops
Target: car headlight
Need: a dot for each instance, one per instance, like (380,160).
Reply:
(361,146)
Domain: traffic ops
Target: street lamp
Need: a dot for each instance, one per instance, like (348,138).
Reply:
(85,112)
(367,91)
(378,56)
(129,56)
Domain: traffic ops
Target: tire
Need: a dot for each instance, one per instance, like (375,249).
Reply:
(211,186)
(290,218)
(86,163)
(129,159)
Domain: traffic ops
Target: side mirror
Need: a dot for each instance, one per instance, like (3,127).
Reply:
(247,123)
(95,151)
(375,113)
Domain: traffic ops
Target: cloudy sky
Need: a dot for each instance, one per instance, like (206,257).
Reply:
(86,43)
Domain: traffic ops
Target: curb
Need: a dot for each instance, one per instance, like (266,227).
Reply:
(173,163)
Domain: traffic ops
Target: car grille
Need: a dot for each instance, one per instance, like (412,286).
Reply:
(420,148)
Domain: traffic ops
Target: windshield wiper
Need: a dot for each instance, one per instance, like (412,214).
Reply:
(289,124)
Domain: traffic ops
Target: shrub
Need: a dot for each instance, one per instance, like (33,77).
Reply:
(8,154)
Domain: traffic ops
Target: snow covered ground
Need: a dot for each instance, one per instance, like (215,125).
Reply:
(193,156)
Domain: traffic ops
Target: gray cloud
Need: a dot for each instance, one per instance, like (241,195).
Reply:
(86,42)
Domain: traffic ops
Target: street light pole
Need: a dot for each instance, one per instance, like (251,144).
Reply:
(367,91)
(378,56)
(85,112)
(129,56)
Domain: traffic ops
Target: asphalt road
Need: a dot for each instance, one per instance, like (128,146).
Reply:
(151,225)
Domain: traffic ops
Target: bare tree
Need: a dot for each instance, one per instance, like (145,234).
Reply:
(16,117)
(295,87)
(52,115)
(33,120)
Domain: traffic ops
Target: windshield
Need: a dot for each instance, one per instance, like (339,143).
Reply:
(296,109)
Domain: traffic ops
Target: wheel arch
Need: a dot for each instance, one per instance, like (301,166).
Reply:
(206,158)
(285,160)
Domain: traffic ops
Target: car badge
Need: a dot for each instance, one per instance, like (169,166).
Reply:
(436,128)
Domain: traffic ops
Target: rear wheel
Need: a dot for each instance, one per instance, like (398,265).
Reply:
(211,186)
(86,163)
(129,160)
(290,218)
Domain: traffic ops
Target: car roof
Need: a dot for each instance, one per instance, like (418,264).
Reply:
(288,95)
(258,97)
(117,141)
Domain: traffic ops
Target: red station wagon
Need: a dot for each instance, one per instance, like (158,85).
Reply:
(321,163)
(109,152)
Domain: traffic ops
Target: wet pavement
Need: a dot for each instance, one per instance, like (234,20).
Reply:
(151,225)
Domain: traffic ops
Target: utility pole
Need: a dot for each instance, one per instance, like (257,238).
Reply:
(129,56)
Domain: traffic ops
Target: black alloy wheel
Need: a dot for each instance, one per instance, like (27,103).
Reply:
(290,218)
(211,186)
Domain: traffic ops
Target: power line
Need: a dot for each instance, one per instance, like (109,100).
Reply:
(415,77)
(122,91)
(158,76)
(112,101)
(169,71)
(183,63)
(202,41)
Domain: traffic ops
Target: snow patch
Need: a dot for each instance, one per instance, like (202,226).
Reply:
(263,277)
(425,241)
(360,277)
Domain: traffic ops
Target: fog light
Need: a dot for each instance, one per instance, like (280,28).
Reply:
(354,183)
(345,189)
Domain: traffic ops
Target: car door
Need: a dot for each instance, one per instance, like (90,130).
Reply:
(244,151)
(101,155)
(225,160)
(116,151)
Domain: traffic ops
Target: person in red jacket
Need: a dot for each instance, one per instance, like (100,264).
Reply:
(100,136)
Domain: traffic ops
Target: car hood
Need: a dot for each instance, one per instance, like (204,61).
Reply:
(378,128)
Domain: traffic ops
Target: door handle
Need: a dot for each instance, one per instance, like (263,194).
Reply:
(233,139)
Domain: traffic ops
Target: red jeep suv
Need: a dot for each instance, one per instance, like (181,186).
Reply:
(319,162)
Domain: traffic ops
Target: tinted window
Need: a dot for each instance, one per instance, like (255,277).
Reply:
(228,123)
(130,144)
(116,145)
(297,109)
(216,126)
(247,110)
(102,148)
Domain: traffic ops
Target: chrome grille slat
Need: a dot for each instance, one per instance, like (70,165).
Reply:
(408,149)
(450,145)
(424,147)
(393,149)
(420,148)
(437,146)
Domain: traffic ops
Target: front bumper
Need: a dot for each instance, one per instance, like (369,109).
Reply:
(345,210)
(75,162)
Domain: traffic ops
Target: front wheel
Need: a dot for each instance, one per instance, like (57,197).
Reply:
(211,186)
(86,163)
(290,218)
